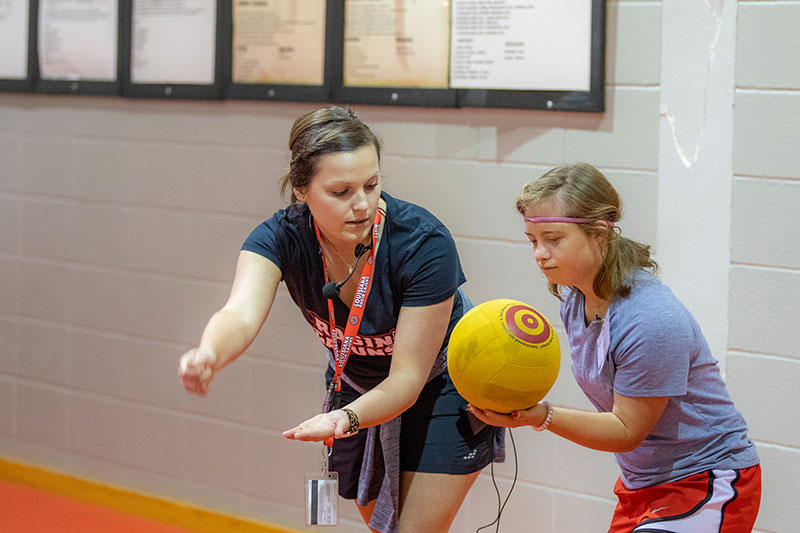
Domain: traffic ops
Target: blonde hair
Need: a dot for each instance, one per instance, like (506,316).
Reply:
(323,131)
(582,191)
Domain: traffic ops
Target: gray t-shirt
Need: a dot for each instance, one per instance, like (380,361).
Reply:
(652,346)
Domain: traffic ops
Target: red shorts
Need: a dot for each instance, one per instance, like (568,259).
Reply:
(718,501)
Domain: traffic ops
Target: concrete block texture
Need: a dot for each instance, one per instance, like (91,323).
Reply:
(9,224)
(98,427)
(764,221)
(203,463)
(8,398)
(764,311)
(11,153)
(768,45)
(45,227)
(780,467)
(528,504)
(99,234)
(627,135)
(767,126)
(10,288)
(9,333)
(47,164)
(45,421)
(762,387)
(103,170)
(595,513)
(45,350)
(633,45)
(11,113)
(45,290)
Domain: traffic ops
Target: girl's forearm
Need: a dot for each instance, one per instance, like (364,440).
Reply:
(599,431)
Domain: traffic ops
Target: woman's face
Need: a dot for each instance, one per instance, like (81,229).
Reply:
(564,253)
(343,195)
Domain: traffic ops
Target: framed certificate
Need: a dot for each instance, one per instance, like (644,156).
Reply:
(394,52)
(178,49)
(537,54)
(282,49)
(77,46)
(17,60)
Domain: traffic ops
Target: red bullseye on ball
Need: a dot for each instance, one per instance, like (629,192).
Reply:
(536,328)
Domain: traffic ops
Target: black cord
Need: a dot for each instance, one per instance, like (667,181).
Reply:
(497,489)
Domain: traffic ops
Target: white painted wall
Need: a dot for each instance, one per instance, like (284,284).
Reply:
(120,221)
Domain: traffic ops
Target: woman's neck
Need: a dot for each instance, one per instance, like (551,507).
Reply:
(341,253)
(594,307)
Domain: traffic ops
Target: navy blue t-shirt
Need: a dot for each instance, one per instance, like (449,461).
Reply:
(417,265)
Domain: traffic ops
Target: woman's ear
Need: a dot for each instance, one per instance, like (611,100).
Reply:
(604,229)
(604,225)
(299,194)
(601,235)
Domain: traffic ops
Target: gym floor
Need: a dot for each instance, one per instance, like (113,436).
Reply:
(27,510)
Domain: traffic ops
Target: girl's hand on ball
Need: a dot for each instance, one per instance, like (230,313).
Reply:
(493,418)
(514,419)
(533,416)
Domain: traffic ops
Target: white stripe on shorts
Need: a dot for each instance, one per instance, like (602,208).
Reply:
(704,519)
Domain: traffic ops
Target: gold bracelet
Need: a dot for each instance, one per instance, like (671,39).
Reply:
(353,418)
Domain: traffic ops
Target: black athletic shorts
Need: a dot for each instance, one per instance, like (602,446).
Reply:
(437,435)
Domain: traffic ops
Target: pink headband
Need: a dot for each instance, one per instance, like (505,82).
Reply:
(567,219)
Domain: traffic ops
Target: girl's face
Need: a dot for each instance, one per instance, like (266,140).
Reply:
(564,253)
(343,195)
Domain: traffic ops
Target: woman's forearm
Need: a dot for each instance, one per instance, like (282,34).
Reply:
(388,399)
(227,335)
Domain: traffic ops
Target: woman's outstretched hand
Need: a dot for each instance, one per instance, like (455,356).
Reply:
(196,370)
(321,427)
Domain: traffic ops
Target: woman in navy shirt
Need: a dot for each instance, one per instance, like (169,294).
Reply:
(397,272)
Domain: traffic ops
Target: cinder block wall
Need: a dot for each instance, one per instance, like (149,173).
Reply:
(120,221)
(764,309)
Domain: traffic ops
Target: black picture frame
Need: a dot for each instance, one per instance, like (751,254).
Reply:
(8,85)
(294,92)
(385,96)
(592,101)
(87,87)
(332,89)
(222,67)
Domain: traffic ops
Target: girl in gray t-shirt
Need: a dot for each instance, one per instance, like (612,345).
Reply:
(686,462)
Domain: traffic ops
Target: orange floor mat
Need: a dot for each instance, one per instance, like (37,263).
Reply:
(27,510)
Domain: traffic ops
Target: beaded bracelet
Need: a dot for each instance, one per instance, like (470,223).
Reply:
(353,418)
(548,417)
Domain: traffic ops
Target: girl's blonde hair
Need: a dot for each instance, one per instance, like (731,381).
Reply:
(582,191)
(323,131)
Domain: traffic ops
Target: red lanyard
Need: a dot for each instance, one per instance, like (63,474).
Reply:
(356,309)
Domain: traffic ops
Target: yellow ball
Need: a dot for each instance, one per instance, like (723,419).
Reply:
(503,355)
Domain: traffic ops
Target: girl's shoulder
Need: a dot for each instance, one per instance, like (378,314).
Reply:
(652,308)
(648,292)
